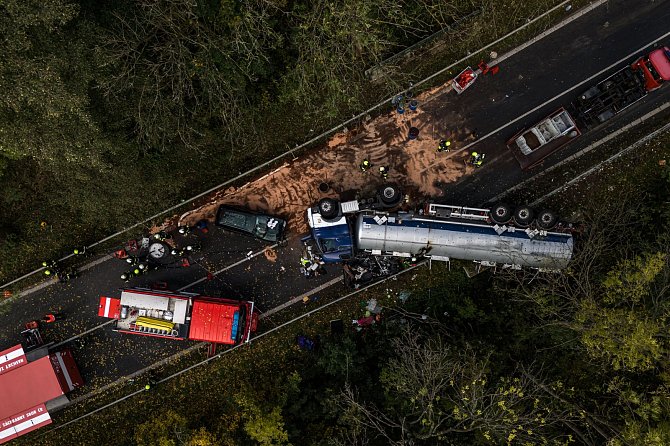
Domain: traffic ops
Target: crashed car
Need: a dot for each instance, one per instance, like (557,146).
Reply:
(261,226)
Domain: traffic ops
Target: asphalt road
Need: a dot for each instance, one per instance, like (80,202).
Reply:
(550,68)
(528,79)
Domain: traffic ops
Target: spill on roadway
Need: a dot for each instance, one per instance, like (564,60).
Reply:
(414,164)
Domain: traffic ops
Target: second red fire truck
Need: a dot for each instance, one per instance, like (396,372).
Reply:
(180,315)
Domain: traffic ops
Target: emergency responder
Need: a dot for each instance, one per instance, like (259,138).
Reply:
(51,267)
(193,248)
(384,172)
(365,165)
(127,276)
(476,159)
(184,230)
(161,235)
(305,265)
(79,252)
(443,146)
(132,261)
(151,381)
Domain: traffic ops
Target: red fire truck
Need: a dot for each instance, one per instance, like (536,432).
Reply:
(180,315)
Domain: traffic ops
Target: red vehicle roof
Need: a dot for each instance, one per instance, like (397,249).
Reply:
(28,386)
(660,58)
(213,321)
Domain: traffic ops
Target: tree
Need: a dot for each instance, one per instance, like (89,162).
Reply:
(44,77)
(184,67)
(335,41)
(165,429)
(627,325)
(435,391)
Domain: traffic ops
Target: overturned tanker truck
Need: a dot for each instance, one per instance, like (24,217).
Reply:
(499,237)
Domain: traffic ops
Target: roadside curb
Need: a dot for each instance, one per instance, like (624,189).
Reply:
(584,151)
(619,154)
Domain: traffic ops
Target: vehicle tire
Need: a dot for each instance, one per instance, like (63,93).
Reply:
(501,213)
(390,195)
(547,219)
(523,216)
(329,208)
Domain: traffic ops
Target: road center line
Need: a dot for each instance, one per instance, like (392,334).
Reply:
(84,333)
(548,101)
(593,169)
(219,355)
(342,125)
(584,151)
(239,262)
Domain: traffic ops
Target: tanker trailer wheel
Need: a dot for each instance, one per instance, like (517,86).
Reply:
(547,219)
(329,208)
(501,213)
(390,195)
(523,216)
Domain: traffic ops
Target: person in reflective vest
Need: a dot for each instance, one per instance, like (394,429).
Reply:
(50,267)
(365,165)
(443,146)
(384,172)
(476,159)
(161,235)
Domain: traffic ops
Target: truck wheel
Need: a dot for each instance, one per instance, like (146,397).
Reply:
(329,208)
(390,195)
(523,216)
(501,213)
(547,219)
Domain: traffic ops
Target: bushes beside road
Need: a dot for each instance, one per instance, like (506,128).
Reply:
(114,110)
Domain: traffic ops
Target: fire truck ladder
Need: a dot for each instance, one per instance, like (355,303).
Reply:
(146,330)
(449,211)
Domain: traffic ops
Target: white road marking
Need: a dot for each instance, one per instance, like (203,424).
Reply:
(84,333)
(180,289)
(239,262)
(548,101)
(619,154)
(208,360)
(585,150)
(340,126)
(302,296)
(600,2)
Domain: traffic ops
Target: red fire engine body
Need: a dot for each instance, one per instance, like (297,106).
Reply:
(32,384)
(179,315)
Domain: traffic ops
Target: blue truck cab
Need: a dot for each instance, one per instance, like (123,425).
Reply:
(331,236)
(331,228)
